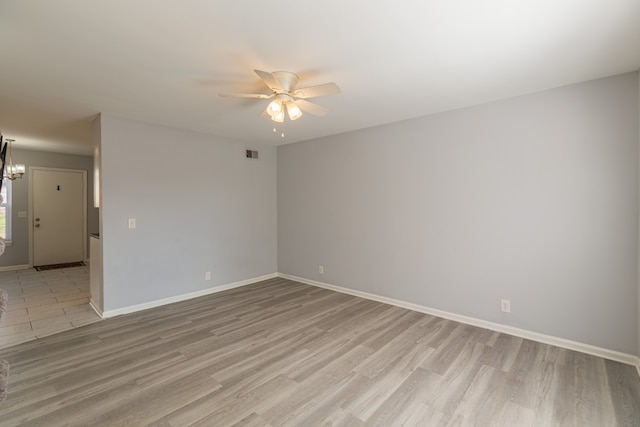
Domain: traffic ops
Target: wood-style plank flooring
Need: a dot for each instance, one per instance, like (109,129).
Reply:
(280,353)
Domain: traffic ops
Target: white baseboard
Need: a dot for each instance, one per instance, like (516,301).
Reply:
(183,297)
(15,267)
(96,309)
(617,356)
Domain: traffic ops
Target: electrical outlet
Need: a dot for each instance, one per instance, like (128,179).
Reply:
(505,306)
(207,275)
(321,269)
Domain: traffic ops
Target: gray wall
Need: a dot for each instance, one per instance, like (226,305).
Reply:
(200,205)
(533,199)
(18,252)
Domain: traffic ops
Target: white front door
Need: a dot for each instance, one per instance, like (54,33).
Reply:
(58,215)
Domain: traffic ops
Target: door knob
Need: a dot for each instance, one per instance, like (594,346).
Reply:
(37,225)
(37,219)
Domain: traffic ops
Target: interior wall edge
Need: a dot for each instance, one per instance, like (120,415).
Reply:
(638,241)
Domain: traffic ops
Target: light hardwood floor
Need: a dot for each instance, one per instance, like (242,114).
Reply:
(281,353)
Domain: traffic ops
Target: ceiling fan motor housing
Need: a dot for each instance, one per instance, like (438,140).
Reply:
(287,80)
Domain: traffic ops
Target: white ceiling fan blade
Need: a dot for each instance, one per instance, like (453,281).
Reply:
(246,95)
(268,79)
(318,90)
(311,108)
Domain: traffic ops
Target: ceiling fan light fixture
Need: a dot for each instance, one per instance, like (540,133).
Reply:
(294,111)
(275,107)
(278,117)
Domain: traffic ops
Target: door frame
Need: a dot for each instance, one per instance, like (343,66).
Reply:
(32,169)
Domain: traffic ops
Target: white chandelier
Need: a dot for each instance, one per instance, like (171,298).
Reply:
(11,170)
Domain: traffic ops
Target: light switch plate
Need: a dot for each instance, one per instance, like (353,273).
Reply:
(132,223)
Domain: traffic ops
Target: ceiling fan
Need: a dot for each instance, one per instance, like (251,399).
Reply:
(285,95)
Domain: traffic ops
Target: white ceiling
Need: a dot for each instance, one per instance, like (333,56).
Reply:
(164,61)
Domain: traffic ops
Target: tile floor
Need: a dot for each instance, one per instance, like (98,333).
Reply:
(43,303)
